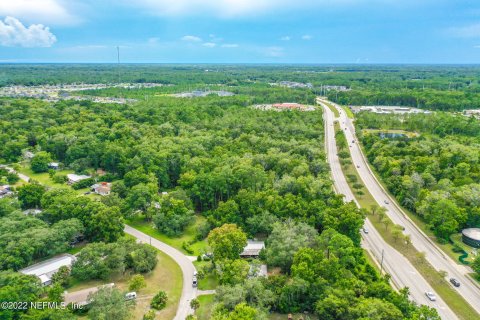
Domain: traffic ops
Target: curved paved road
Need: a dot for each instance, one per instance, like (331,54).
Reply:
(434,255)
(403,273)
(188,292)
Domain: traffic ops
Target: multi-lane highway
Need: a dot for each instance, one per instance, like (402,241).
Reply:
(438,259)
(401,270)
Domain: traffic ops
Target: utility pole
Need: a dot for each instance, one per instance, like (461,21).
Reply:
(381,263)
(118,63)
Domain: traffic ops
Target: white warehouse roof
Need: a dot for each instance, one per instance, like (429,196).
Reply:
(50,266)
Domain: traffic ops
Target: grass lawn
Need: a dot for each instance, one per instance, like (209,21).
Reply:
(198,247)
(348,112)
(166,276)
(44,177)
(210,281)
(334,110)
(206,305)
(456,302)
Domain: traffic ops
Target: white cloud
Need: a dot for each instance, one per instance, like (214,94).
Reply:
(230,45)
(191,38)
(53,12)
(224,8)
(471,31)
(307,37)
(14,33)
(285,38)
(209,44)
(153,40)
(90,46)
(273,52)
(249,8)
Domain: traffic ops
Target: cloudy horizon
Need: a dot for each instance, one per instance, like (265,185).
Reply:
(246,31)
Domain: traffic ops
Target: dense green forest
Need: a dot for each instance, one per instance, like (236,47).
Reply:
(435,174)
(452,88)
(248,172)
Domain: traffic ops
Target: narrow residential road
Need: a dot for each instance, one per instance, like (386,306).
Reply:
(403,273)
(20,175)
(469,289)
(188,291)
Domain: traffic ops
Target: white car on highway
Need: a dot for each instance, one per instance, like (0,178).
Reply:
(431,296)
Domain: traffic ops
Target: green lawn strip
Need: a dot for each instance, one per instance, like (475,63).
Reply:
(455,301)
(148,228)
(419,222)
(210,281)
(348,112)
(475,277)
(207,301)
(166,276)
(334,110)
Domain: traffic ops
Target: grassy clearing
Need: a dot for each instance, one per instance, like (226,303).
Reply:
(206,305)
(198,247)
(44,177)
(166,276)
(210,281)
(385,227)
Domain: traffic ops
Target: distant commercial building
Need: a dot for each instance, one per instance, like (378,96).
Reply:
(252,249)
(335,88)
(46,269)
(388,109)
(292,84)
(284,106)
(74,178)
(471,236)
(199,93)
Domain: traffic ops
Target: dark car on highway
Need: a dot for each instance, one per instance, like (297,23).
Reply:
(455,282)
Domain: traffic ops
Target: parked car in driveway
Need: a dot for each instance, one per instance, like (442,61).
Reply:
(455,282)
(431,296)
(130,295)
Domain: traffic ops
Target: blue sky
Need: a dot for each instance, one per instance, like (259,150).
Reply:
(241,31)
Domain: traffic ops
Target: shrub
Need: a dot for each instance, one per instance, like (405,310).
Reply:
(59,178)
(136,283)
(159,301)
(186,246)
(150,315)
(85,183)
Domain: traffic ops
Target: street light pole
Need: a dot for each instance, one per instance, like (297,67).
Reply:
(381,263)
